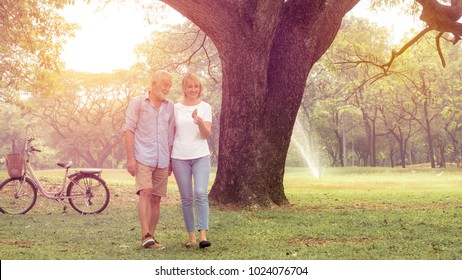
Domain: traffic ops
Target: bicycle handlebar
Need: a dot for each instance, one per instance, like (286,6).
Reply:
(32,149)
(29,148)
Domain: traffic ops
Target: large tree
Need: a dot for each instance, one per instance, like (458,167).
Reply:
(267,49)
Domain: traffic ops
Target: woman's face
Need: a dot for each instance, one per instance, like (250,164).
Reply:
(192,89)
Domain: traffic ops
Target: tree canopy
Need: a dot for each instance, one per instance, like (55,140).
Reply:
(31,37)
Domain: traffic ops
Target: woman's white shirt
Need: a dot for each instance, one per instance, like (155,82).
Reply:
(188,142)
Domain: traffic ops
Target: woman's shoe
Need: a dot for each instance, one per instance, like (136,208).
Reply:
(204,244)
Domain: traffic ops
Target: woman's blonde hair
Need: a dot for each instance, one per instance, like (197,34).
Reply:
(194,77)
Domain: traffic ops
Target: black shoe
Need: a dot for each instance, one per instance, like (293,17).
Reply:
(204,244)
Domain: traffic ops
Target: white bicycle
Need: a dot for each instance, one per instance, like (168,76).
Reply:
(86,191)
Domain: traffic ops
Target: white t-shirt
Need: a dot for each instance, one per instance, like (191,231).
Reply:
(188,142)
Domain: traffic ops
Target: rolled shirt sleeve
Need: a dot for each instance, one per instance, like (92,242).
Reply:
(131,117)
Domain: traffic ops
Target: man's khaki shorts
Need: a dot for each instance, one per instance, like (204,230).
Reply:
(151,178)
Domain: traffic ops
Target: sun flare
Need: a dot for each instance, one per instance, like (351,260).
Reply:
(107,37)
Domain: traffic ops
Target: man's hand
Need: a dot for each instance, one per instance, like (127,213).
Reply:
(131,166)
(170,170)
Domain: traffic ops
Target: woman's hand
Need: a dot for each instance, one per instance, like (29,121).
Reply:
(204,127)
(198,120)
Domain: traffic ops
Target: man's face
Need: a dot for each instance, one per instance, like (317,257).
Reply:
(162,88)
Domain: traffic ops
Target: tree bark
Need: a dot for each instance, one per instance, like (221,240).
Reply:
(267,49)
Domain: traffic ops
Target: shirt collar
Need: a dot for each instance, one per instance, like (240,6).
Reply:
(146,98)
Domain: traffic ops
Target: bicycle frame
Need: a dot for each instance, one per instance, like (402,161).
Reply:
(30,173)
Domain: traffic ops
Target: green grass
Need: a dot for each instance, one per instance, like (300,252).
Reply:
(348,213)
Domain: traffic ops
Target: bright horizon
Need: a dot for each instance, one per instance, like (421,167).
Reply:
(107,39)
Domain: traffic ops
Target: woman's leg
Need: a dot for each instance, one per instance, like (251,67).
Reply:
(183,176)
(201,174)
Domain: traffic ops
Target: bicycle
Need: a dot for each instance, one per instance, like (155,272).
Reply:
(86,191)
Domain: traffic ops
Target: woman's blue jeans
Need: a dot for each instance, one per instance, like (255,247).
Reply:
(185,172)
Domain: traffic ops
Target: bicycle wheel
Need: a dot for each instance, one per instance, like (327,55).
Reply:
(17,196)
(88,194)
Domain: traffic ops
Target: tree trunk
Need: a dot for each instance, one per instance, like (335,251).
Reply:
(372,144)
(442,154)
(402,152)
(402,147)
(392,158)
(455,146)
(267,49)
(339,139)
(369,128)
(428,134)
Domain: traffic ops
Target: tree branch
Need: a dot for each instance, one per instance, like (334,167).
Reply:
(438,46)
(439,17)
(395,54)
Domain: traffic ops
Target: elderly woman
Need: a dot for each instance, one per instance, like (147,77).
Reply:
(191,158)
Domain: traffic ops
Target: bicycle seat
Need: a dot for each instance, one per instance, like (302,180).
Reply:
(66,164)
(91,171)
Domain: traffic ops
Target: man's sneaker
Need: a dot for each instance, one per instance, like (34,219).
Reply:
(147,241)
(157,246)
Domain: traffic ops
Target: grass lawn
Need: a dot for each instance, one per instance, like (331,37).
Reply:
(347,214)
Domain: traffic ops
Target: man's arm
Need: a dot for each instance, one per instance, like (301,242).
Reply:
(129,138)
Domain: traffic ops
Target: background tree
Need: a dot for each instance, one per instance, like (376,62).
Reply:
(450,86)
(31,37)
(88,115)
(358,40)
(18,125)
(397,122)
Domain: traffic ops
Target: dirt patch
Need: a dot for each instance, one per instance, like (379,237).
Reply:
(310,242)
(438,205)
(132,200)
(20,244)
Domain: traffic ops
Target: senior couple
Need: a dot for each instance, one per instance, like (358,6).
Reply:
(161,137)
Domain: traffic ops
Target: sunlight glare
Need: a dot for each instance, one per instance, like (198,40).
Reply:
(107,38)
(398,23)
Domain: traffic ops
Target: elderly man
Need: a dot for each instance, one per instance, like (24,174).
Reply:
(148,133)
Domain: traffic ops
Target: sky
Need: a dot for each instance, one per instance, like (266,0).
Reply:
(107,39)
(393,18)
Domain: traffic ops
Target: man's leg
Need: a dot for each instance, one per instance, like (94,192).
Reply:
(144,191)
(159,184)
(154,202)
(145,216)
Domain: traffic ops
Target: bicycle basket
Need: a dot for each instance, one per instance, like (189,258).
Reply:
(15,164)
